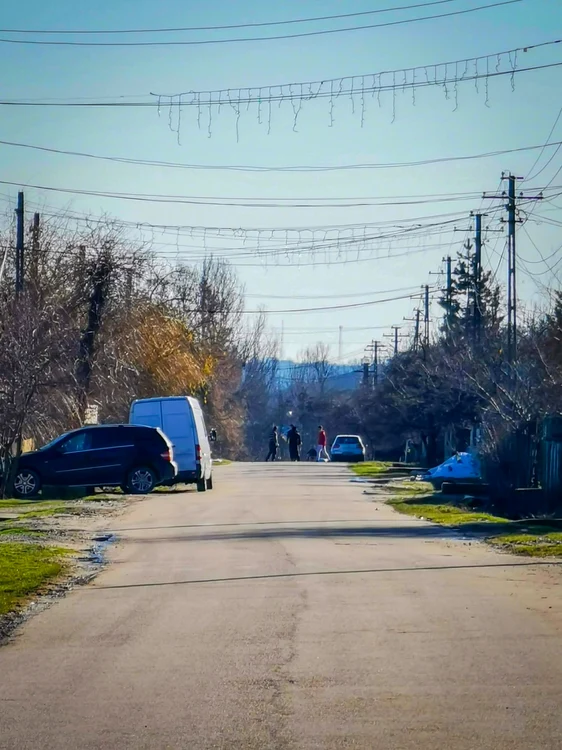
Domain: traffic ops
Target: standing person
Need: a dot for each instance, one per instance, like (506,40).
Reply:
(321,451)
(273,444)
(295,441)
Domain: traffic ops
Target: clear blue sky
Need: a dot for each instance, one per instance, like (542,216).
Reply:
(430,129)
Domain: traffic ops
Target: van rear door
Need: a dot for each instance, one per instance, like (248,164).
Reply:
(146,413)
(178,426)
(201,437)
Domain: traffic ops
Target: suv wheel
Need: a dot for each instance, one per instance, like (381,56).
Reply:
(27,483)
(141,481)
(210,482)
(201,485)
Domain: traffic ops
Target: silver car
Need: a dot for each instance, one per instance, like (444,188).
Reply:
(348,448)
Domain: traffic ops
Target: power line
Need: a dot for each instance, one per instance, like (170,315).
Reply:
(314,89)
(302,168)
(233,202)
(198,42)
(530,175)
(323,296)
(227,26)
(402,227)
(176,101)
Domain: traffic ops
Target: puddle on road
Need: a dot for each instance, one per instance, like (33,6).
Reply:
(96,554)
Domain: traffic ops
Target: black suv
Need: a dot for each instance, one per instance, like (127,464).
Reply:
(132,457)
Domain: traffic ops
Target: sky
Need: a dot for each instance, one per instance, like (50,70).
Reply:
(349,263)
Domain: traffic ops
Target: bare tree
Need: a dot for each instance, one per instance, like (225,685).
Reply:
(315,365)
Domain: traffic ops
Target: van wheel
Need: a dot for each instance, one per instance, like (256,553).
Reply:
(141,481)
(210,482)
(27,483)
(201,485)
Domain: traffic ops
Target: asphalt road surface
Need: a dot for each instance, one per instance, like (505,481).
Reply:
(287,609)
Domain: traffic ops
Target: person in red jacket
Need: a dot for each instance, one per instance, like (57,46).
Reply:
(321,451)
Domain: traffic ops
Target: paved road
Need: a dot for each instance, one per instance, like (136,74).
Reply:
(286,609)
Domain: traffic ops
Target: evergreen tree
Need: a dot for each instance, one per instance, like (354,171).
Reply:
(472,301)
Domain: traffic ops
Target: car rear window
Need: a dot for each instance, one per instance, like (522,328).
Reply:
(347,441)
(111,437)
(150,435)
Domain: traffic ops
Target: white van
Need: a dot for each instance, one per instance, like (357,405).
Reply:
(181,419)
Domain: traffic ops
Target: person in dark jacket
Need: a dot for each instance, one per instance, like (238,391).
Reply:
(294,440)
(273,444)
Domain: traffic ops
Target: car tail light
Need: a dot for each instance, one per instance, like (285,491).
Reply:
(167,455)
(198,453)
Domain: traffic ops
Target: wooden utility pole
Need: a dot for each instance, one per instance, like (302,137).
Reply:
(477,275)
(376,347)
(34,260)
(426,315)
(416,321)
(394,335)
(511,207)
(20,211)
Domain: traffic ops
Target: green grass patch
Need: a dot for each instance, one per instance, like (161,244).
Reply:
(222,462)
(421,499)
(442,513)
(19,531)
(24,570)
(530,537)
(412,488)
(536,541)
(370,468)
(45,509)
(99,497)
(11,504)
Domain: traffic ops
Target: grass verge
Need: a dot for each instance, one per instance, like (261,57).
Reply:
(529,537)
(438,509)
(24,570)
(540,541)
(370,468)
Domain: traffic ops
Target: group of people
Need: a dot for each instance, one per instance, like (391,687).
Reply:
(294,440)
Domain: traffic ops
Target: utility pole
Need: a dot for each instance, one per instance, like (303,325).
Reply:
(35,234)
(426,315)
(376,346)
(417,331)
(365,363)
(449,289)
(416,321)
(449,283)
(477,273)
(511,268)
(511,207)
(394,335)
(340,344)
(19,243)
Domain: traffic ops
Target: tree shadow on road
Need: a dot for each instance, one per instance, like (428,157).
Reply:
(404,530)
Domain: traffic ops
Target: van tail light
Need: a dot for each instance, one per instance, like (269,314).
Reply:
(198,453)
(167,455)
